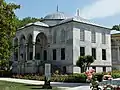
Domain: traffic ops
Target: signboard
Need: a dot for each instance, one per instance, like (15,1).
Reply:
(48,70)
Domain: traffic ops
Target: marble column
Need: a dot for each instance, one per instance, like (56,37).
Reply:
(33,50)
(18,58)
(25,57)
(26,51)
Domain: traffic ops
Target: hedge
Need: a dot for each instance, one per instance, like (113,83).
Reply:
(115,74)
(4,73)
(75,78)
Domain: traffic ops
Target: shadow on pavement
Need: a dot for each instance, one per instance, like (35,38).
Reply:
(69,84)
(32,85)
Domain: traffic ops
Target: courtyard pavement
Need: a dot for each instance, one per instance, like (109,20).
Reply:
(66,86)
(63,86)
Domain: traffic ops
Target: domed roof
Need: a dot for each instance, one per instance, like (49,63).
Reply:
(57,15)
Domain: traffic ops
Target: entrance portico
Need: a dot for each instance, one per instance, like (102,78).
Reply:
(29,51)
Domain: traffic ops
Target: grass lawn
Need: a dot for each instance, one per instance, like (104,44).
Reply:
(17,86)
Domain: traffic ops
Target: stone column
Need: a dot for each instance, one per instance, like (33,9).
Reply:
(25,57)
(26,51)
(18,58)
(33,50)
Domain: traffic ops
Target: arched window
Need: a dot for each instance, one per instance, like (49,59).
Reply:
(22,48)
(40,47)
(63,36)
(54,36)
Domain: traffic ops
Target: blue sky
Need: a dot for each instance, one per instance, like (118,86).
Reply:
(104,12)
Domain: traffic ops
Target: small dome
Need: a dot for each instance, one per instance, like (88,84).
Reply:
(57,15)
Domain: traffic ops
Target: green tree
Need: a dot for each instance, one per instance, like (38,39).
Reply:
(26,20)
(116,27)
(7,29)
(84,61)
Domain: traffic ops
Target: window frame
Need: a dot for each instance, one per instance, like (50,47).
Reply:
(82,35)
(93,37)
(54,56)
(103,38)
(94,54)
(62,53)
(82,53)
(104,54)
(104,69)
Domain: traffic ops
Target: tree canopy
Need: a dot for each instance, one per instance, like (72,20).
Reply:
(116,27)
(8,27)
(84,61)
(25,21)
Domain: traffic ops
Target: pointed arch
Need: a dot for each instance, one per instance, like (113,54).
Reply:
(41,46)
(22,39)
(41,39)
(30,47)
(22,47)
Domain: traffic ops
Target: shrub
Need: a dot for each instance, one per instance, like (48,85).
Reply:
(116,75)
(4,73)
(99,76)
(76,78)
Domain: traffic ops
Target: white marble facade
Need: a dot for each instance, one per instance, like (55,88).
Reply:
(60,40)
(115,49)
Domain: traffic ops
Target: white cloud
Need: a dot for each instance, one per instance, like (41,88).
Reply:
(101,9)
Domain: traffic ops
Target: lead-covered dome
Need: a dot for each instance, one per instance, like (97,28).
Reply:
(57,15)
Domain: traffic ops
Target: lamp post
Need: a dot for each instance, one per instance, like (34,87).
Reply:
(47,76)
(47,73)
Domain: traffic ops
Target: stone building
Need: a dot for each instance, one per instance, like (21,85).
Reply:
(60,40)
(115,49)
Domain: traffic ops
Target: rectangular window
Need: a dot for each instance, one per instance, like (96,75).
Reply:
(82,35)
(93,37)
(104,69)
(45,55)
(82,51)
(94,52)
(103,54)
(62,53)
(103,38)
(54,54)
